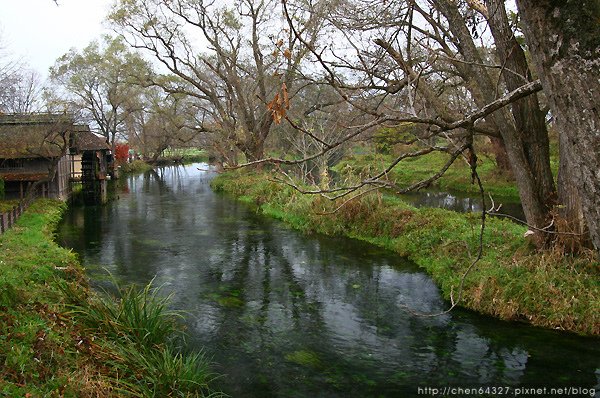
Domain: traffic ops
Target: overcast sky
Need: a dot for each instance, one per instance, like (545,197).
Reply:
(39,32)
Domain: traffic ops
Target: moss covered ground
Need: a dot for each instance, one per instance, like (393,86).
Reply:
(512,281)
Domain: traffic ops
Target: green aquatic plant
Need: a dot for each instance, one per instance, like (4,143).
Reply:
(304,358)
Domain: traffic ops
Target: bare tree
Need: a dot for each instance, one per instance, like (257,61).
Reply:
(21,92)
(249,58)
(403,61)
(102,82)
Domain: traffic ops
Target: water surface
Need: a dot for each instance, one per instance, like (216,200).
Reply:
(283,314)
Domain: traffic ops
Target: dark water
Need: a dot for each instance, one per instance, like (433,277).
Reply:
(288,315)
(458,201)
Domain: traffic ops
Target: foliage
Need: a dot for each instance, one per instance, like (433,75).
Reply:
(387,137)
(512,281)
(121,152)
(1,189)
(47,347)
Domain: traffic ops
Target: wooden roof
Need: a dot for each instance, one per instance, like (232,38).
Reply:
(85,140)
(34,136)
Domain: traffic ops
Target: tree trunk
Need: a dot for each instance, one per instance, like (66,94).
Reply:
(529,160)
(253,150)
(570,211)
(529,119)
(500,155)
(564,40)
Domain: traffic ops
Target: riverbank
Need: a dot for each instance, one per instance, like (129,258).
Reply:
(169,158)
(58,338)
(511,281)
(496,182)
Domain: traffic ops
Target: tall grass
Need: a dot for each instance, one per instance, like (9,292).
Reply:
(136,315)
(140,338)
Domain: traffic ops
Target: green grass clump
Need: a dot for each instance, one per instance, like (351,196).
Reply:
(136,315)
(57,338)
(512,281)
(139,340)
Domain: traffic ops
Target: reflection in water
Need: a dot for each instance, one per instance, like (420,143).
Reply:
(463,204)
(288,315)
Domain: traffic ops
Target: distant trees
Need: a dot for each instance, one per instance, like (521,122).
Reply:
(103,81)
(20,86)
(162,121)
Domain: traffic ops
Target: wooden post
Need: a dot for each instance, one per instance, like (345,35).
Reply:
(2,227)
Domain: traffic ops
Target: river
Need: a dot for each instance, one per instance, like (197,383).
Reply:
(283,314)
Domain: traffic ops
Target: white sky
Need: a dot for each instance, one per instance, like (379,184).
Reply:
(38,32)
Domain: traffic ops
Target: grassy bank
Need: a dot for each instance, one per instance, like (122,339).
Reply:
(511,281)
(183,156)
(411,170)
(169,158)
(135,167)
(57,338)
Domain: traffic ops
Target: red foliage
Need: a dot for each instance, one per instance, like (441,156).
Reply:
(121,152)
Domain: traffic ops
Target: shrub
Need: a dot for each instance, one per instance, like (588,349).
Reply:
(121,153)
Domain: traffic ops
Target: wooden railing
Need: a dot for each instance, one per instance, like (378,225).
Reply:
(9,218)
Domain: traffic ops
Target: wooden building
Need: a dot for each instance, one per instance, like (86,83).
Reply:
(91,163)
(34,149)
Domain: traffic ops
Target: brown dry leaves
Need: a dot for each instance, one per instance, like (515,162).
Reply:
(279,105)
